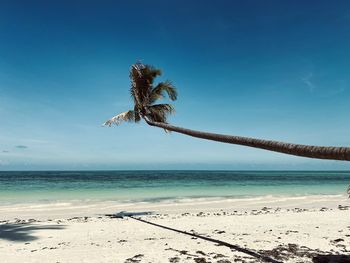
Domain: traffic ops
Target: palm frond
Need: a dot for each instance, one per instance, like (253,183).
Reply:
(150,73)
(142,78)
(167,108)
(127,116)
(156,116)
(159,112)
(145,94)
(159,91)
(136,114)
(135,75)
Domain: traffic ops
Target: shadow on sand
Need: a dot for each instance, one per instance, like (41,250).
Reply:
(219,242)
(23,232)
(129,214)
(331,259)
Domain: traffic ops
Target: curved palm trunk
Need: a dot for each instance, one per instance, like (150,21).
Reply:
(319,152)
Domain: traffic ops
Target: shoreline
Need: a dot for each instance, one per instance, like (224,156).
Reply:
(70,208)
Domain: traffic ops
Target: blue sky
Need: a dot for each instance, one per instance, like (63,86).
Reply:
(268,69)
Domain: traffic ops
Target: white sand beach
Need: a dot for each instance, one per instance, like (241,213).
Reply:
(175,131)
(290,229)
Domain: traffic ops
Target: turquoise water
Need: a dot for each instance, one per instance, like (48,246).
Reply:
(19,187)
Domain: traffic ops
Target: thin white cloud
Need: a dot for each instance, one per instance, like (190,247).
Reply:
(339,88)
(307,81)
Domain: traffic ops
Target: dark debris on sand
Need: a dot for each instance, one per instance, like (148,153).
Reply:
(174,260)
(289,251)
(331,259)
(134,259)
(201,260)
(284,252)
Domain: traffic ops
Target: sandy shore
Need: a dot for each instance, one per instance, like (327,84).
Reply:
(283,230)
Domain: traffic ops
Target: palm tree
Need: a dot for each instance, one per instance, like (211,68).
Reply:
(145,96)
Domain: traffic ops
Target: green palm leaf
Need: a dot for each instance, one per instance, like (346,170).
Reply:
(159,112)
(159,92)
(142,78)
(145,95)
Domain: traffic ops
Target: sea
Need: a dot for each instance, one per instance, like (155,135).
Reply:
(157,186)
